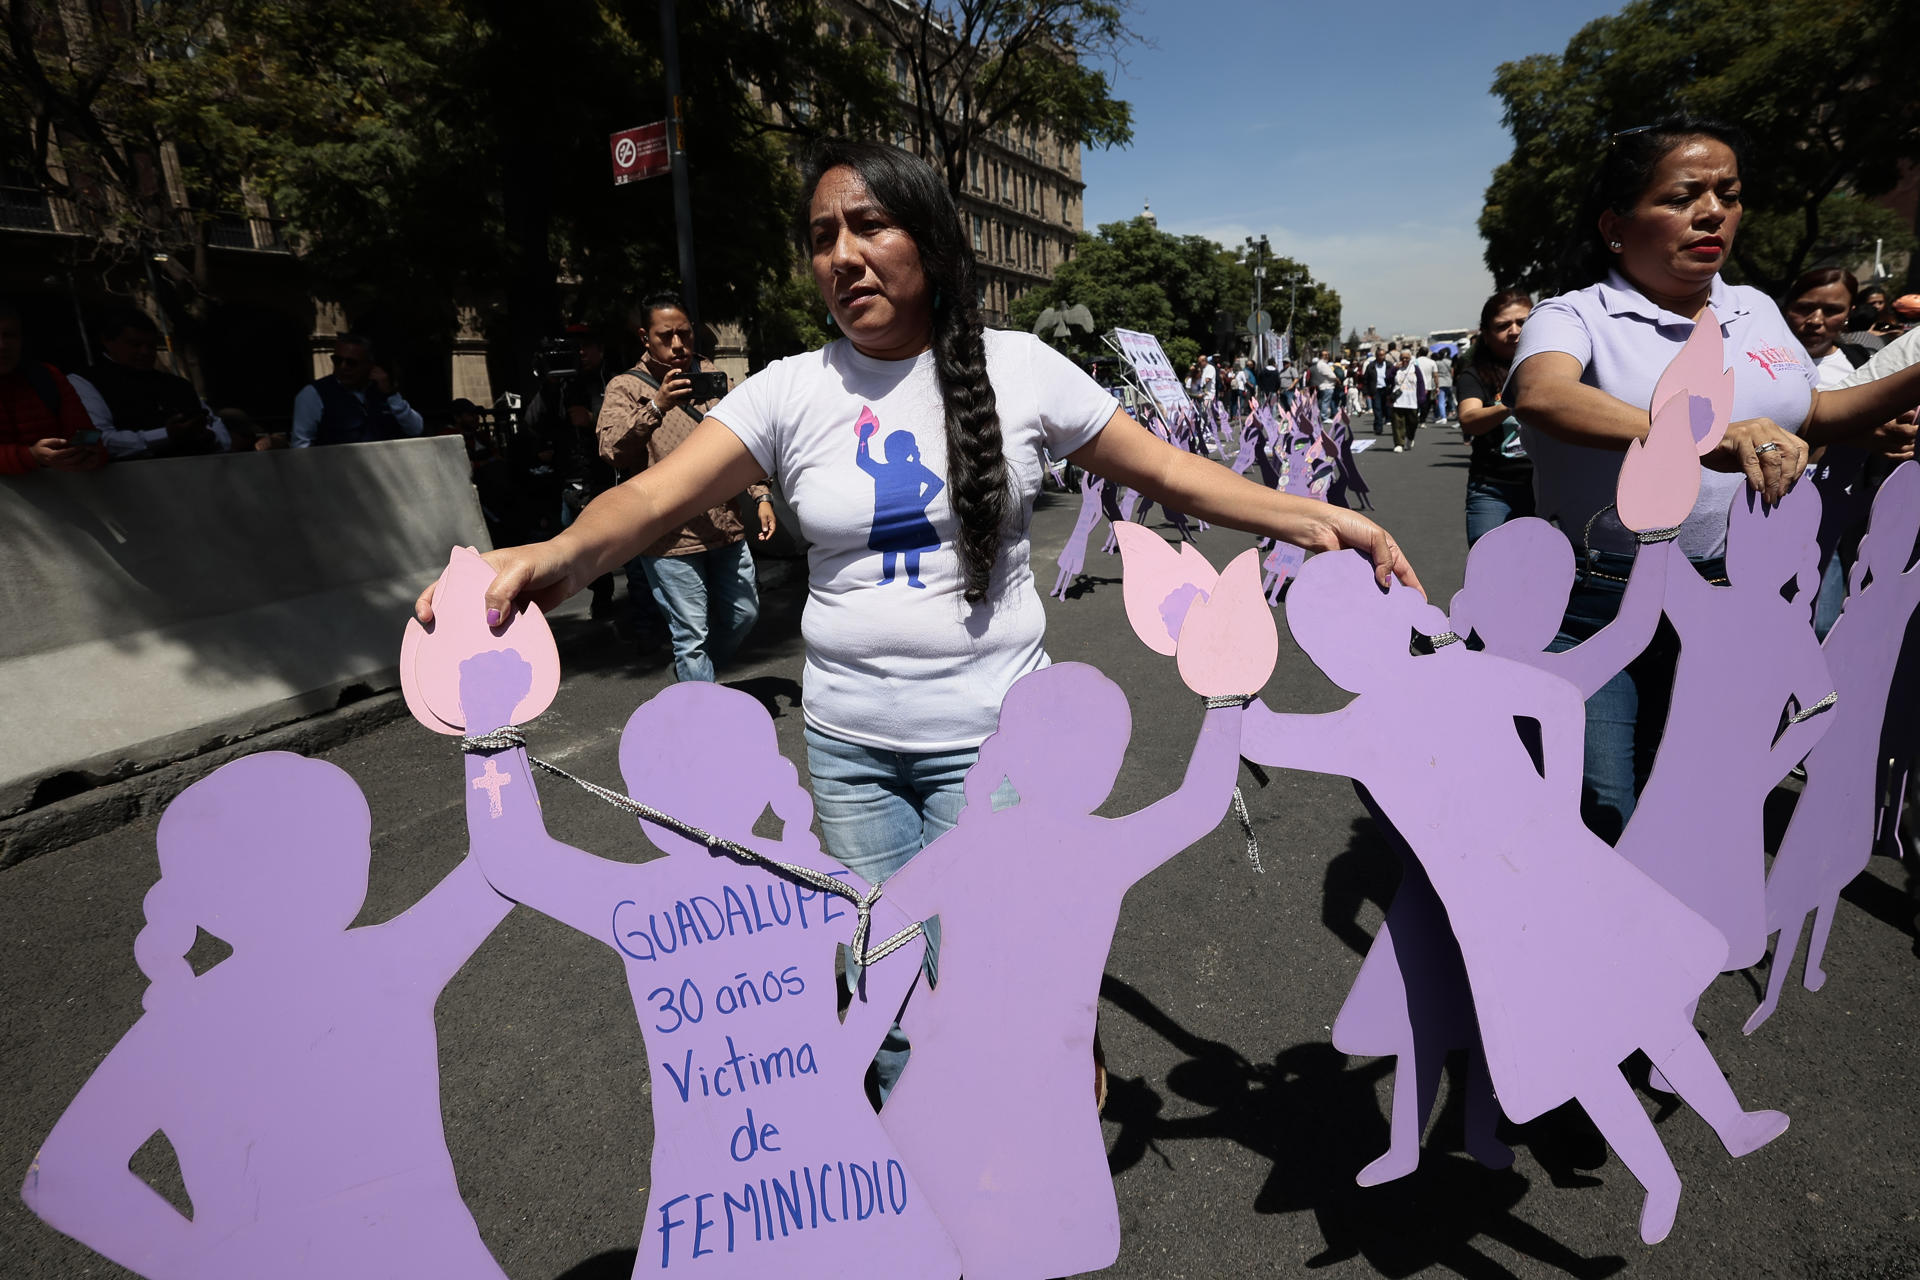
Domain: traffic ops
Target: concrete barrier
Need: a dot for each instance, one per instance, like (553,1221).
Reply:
(156,608)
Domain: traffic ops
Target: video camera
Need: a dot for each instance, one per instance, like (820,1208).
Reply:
(556,358)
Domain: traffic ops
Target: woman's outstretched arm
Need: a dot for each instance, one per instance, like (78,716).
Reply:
(1126,453)
(710,467)
(80,1184)
(505,829)
(1143,840)
(1549,397)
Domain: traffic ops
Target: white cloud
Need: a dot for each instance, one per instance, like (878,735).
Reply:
(1413,278)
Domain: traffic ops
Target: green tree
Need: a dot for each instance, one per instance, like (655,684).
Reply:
(1132,275)
(1823,90)
(425,152)
(972,68)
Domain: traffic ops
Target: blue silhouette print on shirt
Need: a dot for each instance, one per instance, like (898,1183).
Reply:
(902,490)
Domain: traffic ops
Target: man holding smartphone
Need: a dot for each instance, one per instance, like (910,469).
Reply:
(42,424)
(141,410)
(700,575)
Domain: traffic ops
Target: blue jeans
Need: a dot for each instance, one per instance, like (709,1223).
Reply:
(710,602)
(1440,397)
(1627,714)
(1325,395)
(877,808)
(1382,411)
(1833,594)
(1491,504)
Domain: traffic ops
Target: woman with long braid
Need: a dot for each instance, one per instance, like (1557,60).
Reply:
(903,684)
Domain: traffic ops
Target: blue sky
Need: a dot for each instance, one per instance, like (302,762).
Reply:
(1367,157)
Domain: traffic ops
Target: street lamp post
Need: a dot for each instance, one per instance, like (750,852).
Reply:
(1259,278)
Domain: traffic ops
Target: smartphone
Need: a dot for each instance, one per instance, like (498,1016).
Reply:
(85,438)
(709,384)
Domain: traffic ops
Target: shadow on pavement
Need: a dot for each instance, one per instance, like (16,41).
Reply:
(1367,870)
(1319,1122)
(1084,584)
(614,1264)
(771,691)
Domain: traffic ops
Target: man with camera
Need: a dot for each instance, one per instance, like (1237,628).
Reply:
(701,575)
(141,410)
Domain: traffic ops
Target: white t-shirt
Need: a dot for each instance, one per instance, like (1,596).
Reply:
(891,664)
(1831,370)
(1890,359)
(1406,387)
(1322,375)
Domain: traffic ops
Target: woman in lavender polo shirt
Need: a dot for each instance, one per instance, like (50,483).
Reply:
(1657,226)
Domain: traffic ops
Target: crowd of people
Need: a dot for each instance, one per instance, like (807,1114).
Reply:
(1548,395)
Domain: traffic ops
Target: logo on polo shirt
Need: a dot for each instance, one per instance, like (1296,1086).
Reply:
(1772,358)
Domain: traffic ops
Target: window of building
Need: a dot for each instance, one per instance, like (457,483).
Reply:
(23,202)
(979,233)
(902,70)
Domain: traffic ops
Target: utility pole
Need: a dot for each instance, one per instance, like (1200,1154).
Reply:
(677,148)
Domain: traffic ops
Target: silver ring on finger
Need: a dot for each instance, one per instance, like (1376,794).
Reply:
(1771,446)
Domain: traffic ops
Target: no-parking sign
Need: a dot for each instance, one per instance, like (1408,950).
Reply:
(640,153)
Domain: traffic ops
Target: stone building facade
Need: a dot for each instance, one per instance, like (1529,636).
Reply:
(1022,206)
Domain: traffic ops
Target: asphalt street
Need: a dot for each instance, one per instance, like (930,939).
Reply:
(1235,1128)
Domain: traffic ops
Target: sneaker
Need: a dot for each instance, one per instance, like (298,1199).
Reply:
(1398,449)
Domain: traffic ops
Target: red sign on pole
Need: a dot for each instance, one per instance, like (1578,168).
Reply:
(640,153)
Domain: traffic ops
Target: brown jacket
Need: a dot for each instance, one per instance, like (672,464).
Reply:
(634,435)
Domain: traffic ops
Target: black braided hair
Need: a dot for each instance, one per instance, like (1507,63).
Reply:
(916,199)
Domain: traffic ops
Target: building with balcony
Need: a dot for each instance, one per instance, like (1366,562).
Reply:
(1022,203)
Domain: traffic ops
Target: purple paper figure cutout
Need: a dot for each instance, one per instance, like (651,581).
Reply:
(1747,657)
(903,487)
(1411,1001)
(767,1157)
(1339,440)
(298,1080)
(1829,840)
(1073,556)
(1129,504)
(1518,580)
(1249,447)
(1268,431)
(1410,998)
(1899,749)
(1574,957)
(1014,1161)
(1011,1157)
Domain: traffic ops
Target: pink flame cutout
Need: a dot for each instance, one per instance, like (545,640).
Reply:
(868,423)
(1701,369)
(1660,476)
(430,660)
(1153,573)
(1229,644)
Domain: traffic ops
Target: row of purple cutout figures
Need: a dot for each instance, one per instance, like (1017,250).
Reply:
(298,1079)
(221,1068)
(1447,969)
(1260,434)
